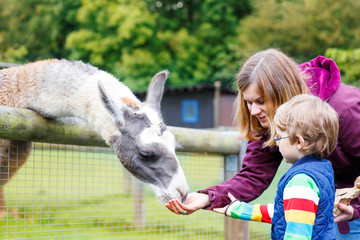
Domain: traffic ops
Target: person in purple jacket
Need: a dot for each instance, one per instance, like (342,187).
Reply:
(268,79)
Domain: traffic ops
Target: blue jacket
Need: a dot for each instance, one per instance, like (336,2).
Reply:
(322,173)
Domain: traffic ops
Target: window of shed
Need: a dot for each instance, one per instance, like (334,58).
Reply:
(190,111)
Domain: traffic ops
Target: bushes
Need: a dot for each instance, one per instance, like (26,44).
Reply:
(348,61)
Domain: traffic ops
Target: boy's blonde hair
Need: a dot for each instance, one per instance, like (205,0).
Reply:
(277,78)
(311,118)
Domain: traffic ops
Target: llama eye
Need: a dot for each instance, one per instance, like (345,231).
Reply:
(147,155)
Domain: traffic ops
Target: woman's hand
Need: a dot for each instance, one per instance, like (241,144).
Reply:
(194,202)
(223,209)
(347,213)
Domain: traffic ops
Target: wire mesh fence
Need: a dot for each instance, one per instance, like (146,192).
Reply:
(72,192)
(82,192)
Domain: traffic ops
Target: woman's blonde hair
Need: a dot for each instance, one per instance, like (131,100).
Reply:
(311,118)
(277,78)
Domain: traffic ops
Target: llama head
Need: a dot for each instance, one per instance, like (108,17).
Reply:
(144,145)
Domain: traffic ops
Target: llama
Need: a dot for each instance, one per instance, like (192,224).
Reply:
(135,130)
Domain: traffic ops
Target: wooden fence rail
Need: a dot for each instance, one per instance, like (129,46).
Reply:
(27,125)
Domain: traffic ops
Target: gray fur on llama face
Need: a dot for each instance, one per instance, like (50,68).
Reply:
(135,130)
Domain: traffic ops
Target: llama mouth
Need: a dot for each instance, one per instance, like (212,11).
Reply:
(183,197)
(165,197)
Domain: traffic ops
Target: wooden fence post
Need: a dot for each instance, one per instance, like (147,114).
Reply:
(127,182)
(139,205)
(235,228)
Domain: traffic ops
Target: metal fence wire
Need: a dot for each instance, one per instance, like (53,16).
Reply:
(76,192)
(81,192)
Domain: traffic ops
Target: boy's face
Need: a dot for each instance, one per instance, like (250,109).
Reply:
(289,151)
(256,104)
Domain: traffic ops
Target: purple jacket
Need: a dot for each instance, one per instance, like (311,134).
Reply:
(260,164)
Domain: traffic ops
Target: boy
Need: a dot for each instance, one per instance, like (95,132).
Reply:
(307,131)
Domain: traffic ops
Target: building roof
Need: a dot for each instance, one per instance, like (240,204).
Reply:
(196,88)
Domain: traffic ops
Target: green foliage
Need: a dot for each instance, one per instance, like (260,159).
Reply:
(133,39)
(198,41)
(218,32)
(118,36)
(175,14)
(348,61)
(136,39)
(304,28)
(31,29)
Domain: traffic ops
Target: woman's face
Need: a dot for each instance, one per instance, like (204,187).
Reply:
(256,104)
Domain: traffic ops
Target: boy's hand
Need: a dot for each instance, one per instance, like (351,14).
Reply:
(223,209)
(220,210)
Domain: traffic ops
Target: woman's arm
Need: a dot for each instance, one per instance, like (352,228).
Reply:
(258,170)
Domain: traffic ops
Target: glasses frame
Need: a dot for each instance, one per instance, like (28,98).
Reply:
(277,140)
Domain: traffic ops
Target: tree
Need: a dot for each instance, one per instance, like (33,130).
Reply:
(119,36)
(176,14)
(217,32)
(35,29)
(135,39)
(132,39)
(211,29)
(348,61)
(304,28)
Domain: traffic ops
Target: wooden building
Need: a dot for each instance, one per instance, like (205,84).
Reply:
(197,106)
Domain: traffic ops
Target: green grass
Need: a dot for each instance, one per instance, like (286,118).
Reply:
(80,194)
(76,193)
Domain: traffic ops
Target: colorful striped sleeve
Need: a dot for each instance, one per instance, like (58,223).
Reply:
(249,212)
(301,198)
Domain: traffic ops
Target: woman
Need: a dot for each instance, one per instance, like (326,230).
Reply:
(267,80)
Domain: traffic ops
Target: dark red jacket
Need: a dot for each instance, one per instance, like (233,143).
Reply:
(260,164)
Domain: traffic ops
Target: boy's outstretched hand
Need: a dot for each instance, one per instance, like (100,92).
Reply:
(223,209)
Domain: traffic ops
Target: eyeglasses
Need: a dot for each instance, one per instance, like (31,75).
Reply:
(277,140)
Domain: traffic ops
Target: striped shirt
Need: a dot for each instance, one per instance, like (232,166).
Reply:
(301,198)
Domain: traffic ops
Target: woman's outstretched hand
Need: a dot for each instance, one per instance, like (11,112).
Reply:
(194,202)
(223,209)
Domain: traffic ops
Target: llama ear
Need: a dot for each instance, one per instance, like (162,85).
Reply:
(109,104)
(156,90)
